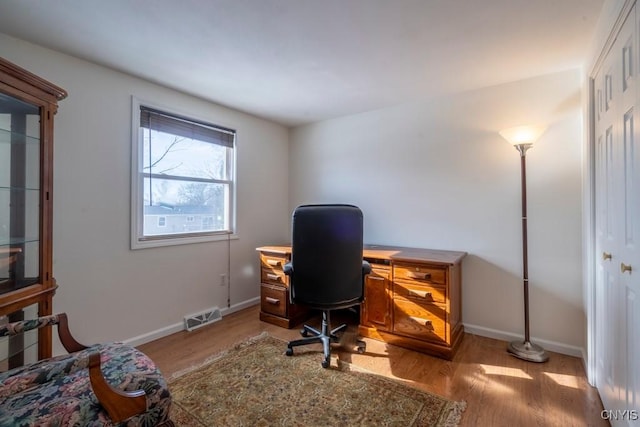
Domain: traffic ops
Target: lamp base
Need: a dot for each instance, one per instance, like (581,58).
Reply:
(528,351)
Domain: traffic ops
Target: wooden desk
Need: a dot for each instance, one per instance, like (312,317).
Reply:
(413,297)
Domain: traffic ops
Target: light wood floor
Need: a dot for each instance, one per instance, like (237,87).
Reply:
(500,390)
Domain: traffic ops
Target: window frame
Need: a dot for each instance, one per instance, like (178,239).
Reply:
(138,240)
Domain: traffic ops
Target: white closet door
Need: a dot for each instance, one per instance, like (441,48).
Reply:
(617,199)
(606,234)
(629,249)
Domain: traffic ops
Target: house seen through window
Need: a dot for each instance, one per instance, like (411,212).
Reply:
(184,179)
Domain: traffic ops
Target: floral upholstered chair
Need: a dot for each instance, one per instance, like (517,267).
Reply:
(101,385)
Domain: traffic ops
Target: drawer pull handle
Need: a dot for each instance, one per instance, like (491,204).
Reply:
(421,321)
(606,256)
(421,276)
(420,294)
(272,301)
(376,278)
(273,277)
(624,268)
(274,262)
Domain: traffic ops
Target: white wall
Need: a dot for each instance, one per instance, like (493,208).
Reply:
(429,174)
(436,174)
(109,291)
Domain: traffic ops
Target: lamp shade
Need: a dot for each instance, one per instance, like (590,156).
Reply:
(521,135)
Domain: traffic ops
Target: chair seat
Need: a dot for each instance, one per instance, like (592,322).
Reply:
(57,391)
(335,305)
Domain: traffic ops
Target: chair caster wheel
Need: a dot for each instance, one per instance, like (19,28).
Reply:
(304,332)
(289,351)
(326,363)
(362,346)
(361,350)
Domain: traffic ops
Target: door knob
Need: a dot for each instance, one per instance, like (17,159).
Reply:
(624,268)
(606,256)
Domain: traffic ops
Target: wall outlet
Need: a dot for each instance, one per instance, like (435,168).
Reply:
(223,280)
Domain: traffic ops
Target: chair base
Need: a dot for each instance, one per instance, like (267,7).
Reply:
(325,336)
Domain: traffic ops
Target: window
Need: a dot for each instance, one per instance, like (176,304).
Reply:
(183,168)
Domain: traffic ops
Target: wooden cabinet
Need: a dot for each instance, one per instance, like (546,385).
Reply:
(376,313)
(420,302)
(422,299)
(412,298)
(274,289)
(27,107)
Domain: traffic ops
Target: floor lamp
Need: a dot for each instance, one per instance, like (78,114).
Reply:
(522,138)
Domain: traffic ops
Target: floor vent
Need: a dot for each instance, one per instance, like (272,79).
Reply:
(196,320)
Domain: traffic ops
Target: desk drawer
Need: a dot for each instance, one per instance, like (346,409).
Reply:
(420,293)
(274,276)
(273,300)
(273,261)
(424,321)
(420,273)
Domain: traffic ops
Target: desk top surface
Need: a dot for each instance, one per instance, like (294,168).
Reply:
(394,253)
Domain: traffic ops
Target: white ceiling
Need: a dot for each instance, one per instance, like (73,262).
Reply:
(299,61)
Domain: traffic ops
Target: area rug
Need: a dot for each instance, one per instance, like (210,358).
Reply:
(255,384)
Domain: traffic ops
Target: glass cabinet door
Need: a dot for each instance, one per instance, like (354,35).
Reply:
(28,104)
(20,148)
(21,349)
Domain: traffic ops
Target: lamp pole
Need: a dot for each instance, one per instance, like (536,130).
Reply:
(526,349)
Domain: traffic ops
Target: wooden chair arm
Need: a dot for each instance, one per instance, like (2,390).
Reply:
(119,404)
(68,342)
(22,326)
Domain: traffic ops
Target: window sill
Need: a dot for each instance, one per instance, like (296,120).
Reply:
(144,244)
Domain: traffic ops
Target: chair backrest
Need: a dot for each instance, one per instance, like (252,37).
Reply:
(327,256)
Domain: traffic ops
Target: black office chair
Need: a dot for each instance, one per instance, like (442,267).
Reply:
(326,270)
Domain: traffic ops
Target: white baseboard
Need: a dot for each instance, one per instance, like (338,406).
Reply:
(179,326)
(469,328)
(154,335)
(557,347)
(240,306)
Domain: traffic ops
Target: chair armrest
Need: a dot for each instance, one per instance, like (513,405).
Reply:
(119,404)
(366,268)
(19,327)
(22,326)
(68,341)
(288,269)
